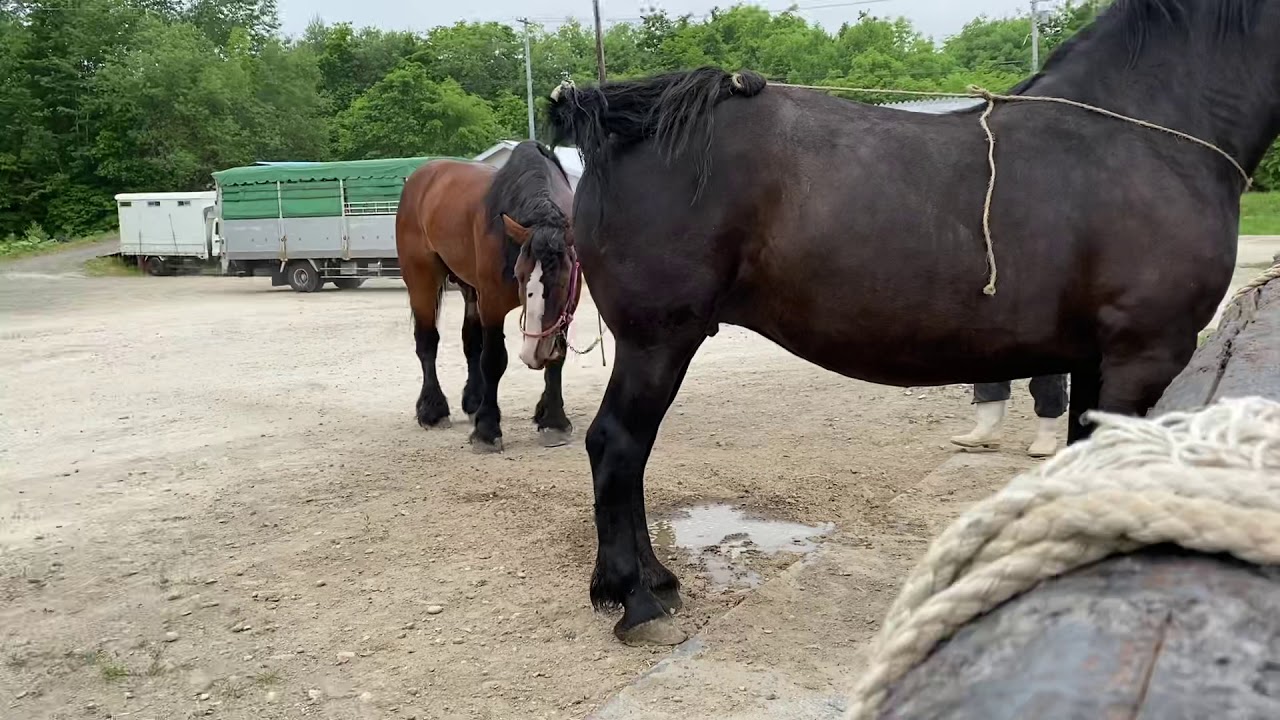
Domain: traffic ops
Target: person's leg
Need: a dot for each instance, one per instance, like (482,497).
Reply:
(1050,394)
(991,400)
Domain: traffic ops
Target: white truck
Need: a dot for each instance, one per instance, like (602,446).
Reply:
(165,231)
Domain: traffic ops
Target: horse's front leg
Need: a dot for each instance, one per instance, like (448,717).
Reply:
(487,435)
(554,427)
(627,574)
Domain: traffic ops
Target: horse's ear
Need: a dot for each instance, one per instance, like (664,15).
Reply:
(515,230)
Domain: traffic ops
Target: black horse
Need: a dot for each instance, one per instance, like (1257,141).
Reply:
(851,235)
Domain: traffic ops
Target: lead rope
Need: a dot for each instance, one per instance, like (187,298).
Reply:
(991,98)
(604,361)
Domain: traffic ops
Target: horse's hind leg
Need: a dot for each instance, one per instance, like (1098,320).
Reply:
(643,385)
(426,287)
(553,425)
(1136,369)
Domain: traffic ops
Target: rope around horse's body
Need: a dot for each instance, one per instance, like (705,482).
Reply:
(975,91)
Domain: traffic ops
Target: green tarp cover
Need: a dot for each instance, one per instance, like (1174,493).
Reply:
(308,172)
(310,189)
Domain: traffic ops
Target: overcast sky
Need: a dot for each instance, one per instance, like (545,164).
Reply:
(938,18)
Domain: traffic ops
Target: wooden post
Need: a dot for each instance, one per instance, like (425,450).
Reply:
(1160,633)
(595,8)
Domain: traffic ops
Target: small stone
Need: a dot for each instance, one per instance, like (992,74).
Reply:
(315,695)
(170,636)
(413,691)
(434,609)
(22,694)
(366,697)
(346,657)
(320,583)
(204,696)
(402,635)
(458,641)
(173,596)
(210,604)
(771,696)
(128,695)
(211,581)
(272,696)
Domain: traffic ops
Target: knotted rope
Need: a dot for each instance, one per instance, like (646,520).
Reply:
(1267,276)
(991,99)
(1208,481)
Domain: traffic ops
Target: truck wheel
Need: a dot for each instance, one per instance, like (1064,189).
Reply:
(348,283)
(155,266)
(302,277)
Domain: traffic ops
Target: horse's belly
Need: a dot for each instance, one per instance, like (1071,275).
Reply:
(914,349)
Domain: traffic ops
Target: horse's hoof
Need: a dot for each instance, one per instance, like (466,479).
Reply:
(480,446)
(659,631)
(443,423)
(670,599)
(550,437)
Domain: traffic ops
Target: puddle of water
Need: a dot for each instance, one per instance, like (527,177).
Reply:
(723,536)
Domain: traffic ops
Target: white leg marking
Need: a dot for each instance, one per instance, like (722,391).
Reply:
(534,307)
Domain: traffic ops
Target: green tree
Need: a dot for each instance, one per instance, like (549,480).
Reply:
(407,113)
(218,19)
(484,58)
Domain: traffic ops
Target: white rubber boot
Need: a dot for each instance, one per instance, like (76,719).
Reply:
(1046,442)
(986,435)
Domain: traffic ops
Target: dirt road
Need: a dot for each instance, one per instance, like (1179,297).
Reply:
(215,502)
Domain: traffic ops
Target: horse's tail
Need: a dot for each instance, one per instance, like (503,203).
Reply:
(673,109)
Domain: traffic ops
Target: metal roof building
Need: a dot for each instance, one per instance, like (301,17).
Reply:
(936,106)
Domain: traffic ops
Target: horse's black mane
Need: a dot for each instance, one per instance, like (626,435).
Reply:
(521,189)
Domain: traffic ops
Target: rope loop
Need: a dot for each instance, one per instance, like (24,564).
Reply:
(991,98)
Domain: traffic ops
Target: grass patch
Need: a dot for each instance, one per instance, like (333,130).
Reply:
(37,242)
(1260,213)
(110,266)
(110,668)
(268,678)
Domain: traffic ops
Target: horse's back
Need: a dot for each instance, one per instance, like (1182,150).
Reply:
(442,212)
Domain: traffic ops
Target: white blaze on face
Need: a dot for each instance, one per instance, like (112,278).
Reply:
(534,308)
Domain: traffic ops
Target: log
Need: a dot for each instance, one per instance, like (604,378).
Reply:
(1159,634)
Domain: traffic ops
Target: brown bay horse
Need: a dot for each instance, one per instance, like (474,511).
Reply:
(852,235)
(505,236)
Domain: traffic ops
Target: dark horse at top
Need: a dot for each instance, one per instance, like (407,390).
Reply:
(506,237)
(851,235)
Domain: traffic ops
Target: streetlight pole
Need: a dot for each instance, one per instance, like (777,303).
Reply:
(595,8)
(528,76)
(1035,36)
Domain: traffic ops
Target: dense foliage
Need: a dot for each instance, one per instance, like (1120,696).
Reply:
(106,96)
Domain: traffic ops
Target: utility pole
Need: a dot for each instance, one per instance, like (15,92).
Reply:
(528,76)
(1035,36)
(595,8)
